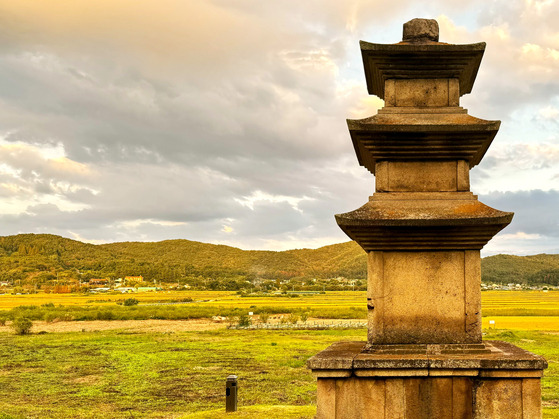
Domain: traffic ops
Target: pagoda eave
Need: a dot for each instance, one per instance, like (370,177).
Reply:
(443,212)
(420,61)
(421,238)
(413,225)
(374,141)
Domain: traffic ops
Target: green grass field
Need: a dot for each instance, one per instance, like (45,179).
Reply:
(161,375)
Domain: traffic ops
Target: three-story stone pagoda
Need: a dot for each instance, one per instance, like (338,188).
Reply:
(423,230)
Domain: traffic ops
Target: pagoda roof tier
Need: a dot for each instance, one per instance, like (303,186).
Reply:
(421,136)
(431,60)
(421,221)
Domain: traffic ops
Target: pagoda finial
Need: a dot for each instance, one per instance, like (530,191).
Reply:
(421,30)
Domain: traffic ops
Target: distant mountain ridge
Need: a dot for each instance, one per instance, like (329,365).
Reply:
(42,258)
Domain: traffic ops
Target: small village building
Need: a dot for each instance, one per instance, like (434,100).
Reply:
(100,289)
(98,281)
(125,289)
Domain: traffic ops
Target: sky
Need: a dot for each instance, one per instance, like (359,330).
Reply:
(224,121)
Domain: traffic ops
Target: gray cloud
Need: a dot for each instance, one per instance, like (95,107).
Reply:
(535,210)
(172,123)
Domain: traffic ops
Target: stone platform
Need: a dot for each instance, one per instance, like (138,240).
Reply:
(493,379)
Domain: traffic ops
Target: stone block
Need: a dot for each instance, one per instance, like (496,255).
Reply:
(413,397)
(498,399)
(440,394)
(462,176)
(453,92)
(326,398)
(381,177)
(472,297)
(424,297)
(423,176)
(370,398)
(421,93)
(394,402)
(421,30)
(375,293)
(462,398)
(531,398)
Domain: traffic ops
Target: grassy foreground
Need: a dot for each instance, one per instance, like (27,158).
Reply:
(182,375)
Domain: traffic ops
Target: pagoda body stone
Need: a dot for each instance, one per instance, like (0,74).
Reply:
(423,230)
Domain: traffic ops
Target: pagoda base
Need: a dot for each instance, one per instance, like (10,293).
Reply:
(490,380)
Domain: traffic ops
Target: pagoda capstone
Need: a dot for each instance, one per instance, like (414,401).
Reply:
(423,230)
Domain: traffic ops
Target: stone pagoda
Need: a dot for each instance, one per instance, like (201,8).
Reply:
(423,230)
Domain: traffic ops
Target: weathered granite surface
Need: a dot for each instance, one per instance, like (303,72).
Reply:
(491,380)
(422,228)
(421,30)
(489,357)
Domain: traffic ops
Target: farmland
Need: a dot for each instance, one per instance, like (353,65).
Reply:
(494,302)
(205,304)
(176,372)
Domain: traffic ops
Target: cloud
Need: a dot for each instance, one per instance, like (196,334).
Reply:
(224,121)
(535,211)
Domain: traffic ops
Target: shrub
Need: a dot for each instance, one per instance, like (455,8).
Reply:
(105,315)
(244,320)
(3,321)
(293,318)
(66,317)
(264,317)
(131,302)
(304,316)
(50,317)
(22,325)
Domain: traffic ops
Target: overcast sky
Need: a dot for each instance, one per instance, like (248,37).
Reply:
(223,121)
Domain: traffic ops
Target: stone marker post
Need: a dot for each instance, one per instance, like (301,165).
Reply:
(231,394)
(423,230)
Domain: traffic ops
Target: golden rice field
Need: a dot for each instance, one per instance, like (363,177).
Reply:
(494,303)
(8,301)
(543,323)
(338,299)
(508,301)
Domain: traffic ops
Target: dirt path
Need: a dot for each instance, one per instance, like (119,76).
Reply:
(160,326)
(128,325)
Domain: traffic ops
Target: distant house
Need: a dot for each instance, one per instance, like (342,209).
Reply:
(125,289)
(134,278)
(102,289)
(98,282)
(4,284)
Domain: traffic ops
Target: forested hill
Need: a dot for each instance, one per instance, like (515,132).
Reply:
(42,258)
(535,269)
